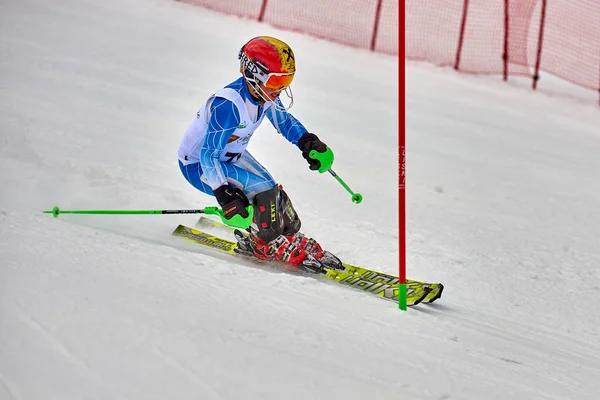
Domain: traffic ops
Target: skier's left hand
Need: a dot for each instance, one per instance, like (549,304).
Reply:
(232,200)
(309,142)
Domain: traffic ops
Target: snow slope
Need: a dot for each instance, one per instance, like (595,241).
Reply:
(502,208)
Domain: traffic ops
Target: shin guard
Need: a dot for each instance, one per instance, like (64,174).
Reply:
(291,221)
(267,215)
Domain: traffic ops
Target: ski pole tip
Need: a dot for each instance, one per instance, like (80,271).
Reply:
(357,198)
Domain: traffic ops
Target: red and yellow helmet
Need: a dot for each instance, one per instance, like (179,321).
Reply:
(268,60)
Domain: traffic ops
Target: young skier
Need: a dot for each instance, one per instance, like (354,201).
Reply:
(213,156)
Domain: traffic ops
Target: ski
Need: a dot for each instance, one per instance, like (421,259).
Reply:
(377,283)
(357,276)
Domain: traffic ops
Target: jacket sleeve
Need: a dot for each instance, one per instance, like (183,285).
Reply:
(224,120)
(286,124)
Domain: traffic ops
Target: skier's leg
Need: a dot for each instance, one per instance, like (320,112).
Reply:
(277,235)
(267,214)
(250,175)
(263,184)
(268,239)
(276,219)
(195,176)
(291,227)
(246,174)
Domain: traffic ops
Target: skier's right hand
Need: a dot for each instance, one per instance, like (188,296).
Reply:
(309,143)
(232,200)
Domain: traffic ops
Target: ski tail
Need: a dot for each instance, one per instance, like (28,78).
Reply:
(205,239)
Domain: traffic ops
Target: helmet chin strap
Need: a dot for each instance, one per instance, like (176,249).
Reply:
(290,95)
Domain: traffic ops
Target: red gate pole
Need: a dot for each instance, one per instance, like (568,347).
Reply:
(536,74)
(506,37)
(376,24)
(461,38)
(263,9)
(402,158)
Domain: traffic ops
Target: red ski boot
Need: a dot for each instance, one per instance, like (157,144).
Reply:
(309,245)
(296,250)
(280,249)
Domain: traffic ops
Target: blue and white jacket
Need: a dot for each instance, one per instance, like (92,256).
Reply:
(223,126)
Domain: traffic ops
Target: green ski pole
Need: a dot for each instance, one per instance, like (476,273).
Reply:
(237,221)
(356,197)
(326,159)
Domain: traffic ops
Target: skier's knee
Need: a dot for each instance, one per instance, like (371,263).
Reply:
(266,214)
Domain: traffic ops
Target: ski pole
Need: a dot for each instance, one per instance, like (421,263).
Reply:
(356,197)
(237,221)
(326,159)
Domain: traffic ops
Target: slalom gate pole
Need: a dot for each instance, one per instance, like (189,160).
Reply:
(402,161)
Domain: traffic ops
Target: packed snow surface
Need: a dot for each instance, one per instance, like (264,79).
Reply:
(502,205)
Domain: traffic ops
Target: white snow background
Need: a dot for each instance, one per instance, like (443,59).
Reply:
(503,197)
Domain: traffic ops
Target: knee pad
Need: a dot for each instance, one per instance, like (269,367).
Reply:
(267,214)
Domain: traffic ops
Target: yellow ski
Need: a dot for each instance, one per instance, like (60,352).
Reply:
(366,280)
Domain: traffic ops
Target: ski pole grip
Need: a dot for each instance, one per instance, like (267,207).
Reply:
(237,221)
(325,158)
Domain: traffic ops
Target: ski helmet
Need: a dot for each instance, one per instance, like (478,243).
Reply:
(269,61)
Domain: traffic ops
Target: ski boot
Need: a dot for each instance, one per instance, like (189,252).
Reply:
(317,259)
(276,235)
(295,250)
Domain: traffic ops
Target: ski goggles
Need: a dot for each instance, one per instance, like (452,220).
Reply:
(272,80)
(276,80)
